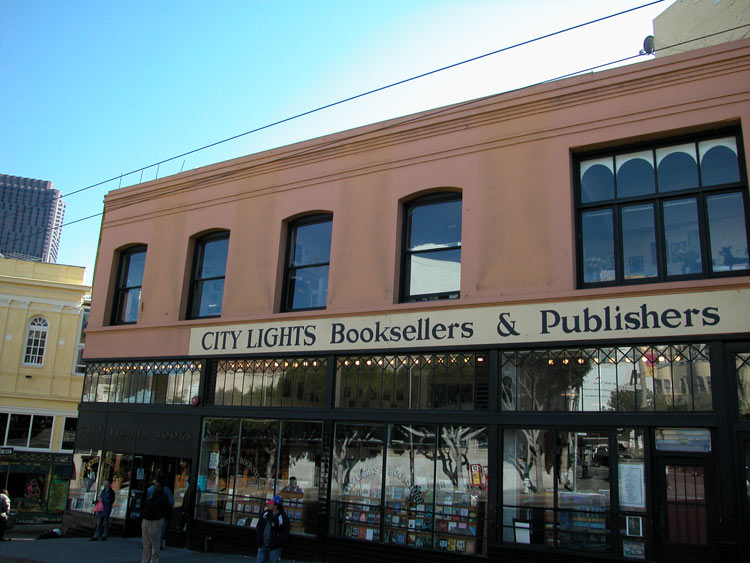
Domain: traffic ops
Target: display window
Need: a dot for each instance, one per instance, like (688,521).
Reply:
(83,482)
(357,480)
(435,485)
(245,462)
(559,485)
(217,469)
(256,470)
(742,366)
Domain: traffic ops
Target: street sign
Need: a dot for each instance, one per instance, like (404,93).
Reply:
(6,451)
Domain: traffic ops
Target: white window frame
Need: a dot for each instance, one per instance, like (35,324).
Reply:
(35,343)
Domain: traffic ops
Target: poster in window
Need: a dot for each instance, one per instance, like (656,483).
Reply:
(634,549)
(632,485)
(634,526)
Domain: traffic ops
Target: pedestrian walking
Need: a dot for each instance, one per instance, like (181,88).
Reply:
(272,530)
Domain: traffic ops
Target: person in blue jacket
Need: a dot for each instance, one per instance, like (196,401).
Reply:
(272,530)
(107,496)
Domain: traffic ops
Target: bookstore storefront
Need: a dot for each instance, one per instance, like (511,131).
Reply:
(615,435)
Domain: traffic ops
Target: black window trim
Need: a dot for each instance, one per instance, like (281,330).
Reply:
(700,193)
(199,242)
(292,227)
(120,288)
(429,199)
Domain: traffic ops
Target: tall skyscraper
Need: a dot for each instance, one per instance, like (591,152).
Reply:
(31,217)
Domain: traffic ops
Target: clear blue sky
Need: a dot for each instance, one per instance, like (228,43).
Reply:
(93,89)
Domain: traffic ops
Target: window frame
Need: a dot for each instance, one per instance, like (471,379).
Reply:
(40,332)
(121,290)
(195,281)
(289,268)
(657,200)
(65,430)
(405,295)
(79,366)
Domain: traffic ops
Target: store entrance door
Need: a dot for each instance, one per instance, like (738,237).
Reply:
(145,470)
(684,509)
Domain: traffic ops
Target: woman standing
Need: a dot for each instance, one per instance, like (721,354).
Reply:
(103,509)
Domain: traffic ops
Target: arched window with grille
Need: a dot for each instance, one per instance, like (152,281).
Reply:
(36,341)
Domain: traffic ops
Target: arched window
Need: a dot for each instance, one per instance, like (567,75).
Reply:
(36,341)
(209,271)
(127,298)
(431,266)
(670,211)
(308,258)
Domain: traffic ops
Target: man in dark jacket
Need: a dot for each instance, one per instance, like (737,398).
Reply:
(272,530)
(154,512)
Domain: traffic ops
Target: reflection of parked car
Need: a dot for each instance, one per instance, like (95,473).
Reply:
(601,455)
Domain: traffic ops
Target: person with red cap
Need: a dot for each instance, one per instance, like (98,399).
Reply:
(272,530)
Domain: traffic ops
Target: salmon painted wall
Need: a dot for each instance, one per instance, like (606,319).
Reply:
(510,155)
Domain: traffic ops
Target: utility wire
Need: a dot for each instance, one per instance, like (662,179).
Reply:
(357,96)
(398,123)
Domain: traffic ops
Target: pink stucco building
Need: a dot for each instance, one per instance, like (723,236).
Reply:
(443,326)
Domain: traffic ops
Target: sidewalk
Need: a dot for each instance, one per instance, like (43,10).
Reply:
(115,550)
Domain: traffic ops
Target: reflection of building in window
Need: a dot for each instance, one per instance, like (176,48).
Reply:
(643,378)
(431,266)
(80,366)
(209,270)
(127,295)
(307,263)
(628,197)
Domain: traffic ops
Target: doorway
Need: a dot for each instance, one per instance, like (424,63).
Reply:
(685,500)
(174,473)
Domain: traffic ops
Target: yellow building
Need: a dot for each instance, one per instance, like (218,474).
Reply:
(43,311)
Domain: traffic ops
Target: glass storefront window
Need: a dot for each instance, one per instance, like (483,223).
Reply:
(256,469)
(419,382)
(294,383)
(83,482)
(626,379)
(556,488)
(117,469)
(243,464)
(299,473)
(217,469)
(171,383)
(409,485)
(583,498)
(742,367)
(631,478)
(356,481)
(461,468)
(435,485)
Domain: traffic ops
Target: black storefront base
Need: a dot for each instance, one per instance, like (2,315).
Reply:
(210,537)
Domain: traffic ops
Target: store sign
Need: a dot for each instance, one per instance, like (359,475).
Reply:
(686,314)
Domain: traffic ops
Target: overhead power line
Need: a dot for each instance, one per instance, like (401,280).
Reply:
(421,116)
(360,95)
